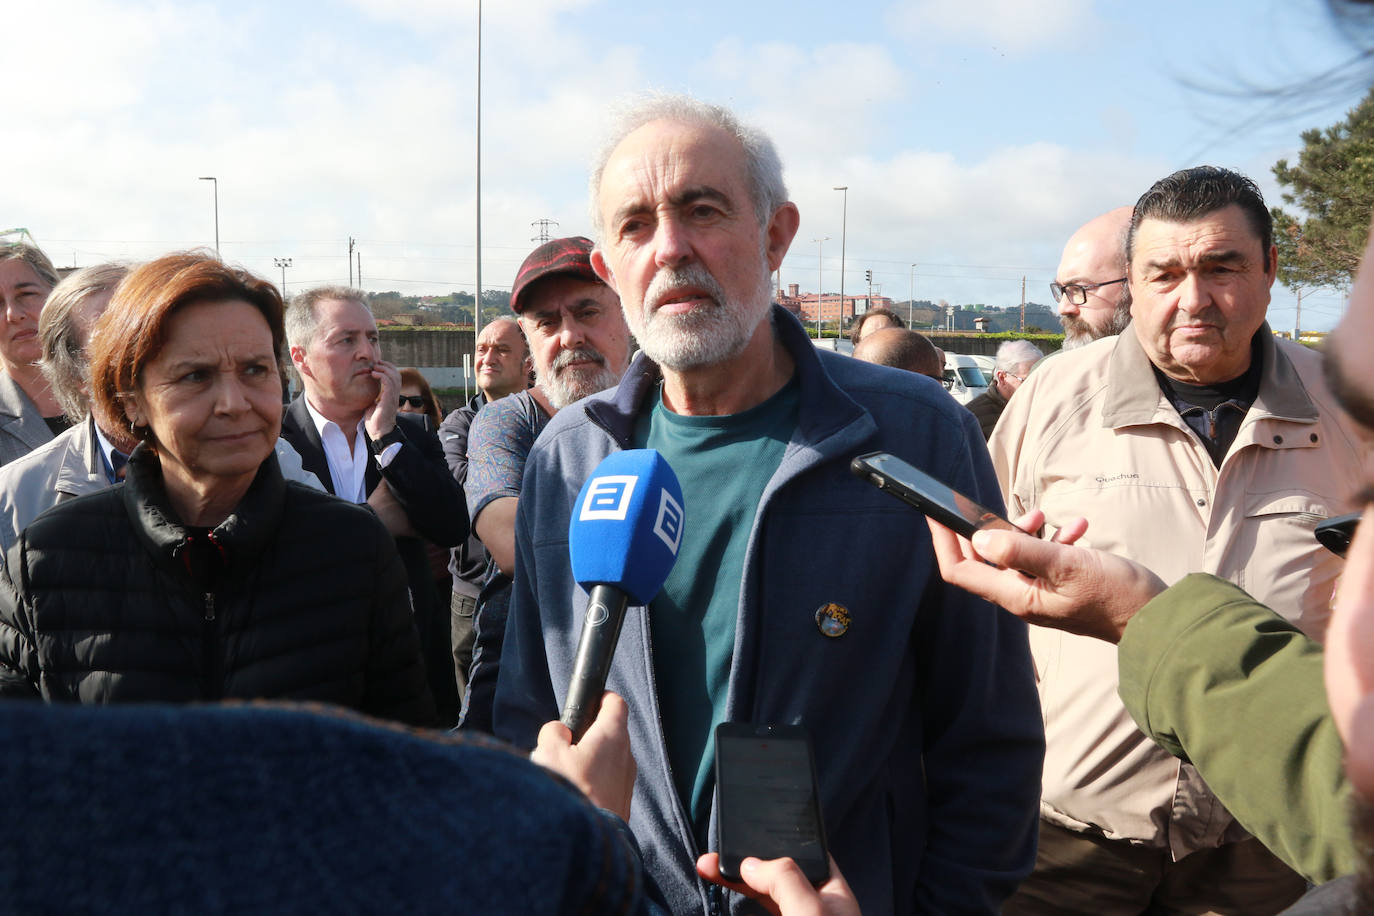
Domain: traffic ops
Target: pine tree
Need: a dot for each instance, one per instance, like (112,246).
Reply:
(1332,185)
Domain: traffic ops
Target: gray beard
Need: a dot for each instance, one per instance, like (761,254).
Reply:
(1078,333)
(565,385)
(705,337)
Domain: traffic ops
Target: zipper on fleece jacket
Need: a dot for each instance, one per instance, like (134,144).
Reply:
(714,898)
(211,680)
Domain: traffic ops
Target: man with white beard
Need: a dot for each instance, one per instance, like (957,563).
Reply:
(800,594)
(580,345)
(1090,284)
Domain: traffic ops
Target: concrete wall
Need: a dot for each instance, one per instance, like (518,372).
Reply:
(437,354)
(976,344)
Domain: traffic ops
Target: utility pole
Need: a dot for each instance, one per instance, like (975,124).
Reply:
(351,243)
(543,225)
(283,263)
(1023,303)
(360,270)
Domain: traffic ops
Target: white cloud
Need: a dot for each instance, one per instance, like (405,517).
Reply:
(1013,25)
(425,15)
(973,227)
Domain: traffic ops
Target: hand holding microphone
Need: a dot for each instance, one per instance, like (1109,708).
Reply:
(623,539)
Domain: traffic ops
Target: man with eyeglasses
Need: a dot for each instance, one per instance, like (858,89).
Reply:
(1192,442)
(1090,284)
(348,430)
(1015,358)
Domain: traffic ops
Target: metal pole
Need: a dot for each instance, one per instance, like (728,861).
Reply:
(477,300)
(911,301)
(283,263)
(820,283)
(844,232)
(215,182)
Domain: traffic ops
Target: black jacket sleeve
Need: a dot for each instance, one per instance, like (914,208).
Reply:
(453,436)
(396,685)
(421,482)
(18,659)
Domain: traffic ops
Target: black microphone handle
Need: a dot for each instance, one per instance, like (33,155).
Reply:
(595,648)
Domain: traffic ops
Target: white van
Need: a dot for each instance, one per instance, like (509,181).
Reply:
(964,377)
(987,364)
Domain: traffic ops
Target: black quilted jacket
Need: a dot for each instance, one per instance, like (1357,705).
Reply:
(308,602)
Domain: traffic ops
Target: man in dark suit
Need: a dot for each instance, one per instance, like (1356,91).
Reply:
(348,432)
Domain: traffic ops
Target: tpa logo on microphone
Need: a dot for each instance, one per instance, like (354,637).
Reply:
(608,498)
(668,524)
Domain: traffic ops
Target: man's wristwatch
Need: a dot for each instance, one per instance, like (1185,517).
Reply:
(392,438)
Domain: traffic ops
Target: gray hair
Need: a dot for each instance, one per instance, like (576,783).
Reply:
(64,361)
(764,167)
(1015,353)
(22,251)
(302,314)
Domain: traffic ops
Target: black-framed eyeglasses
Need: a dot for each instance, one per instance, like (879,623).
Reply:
(414,400)
(1078,292)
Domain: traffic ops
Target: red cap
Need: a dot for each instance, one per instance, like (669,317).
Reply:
(571,256)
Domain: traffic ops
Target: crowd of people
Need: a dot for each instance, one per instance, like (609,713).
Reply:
(1125,708)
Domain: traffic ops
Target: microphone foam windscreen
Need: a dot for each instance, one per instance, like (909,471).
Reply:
(627,524)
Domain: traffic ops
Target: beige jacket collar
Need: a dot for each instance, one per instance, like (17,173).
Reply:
(1134,397)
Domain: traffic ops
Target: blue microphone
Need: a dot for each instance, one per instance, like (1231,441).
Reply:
(623,540)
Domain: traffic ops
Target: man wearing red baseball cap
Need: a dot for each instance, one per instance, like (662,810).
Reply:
(580,345)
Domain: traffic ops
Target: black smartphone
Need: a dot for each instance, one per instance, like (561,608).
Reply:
(915,487)
(768,806)
(1335,533)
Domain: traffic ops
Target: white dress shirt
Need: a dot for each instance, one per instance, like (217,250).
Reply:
(347,467)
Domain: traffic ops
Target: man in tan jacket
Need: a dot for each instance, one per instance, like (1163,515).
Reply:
(1193,442)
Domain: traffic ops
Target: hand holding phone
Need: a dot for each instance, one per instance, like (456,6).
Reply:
(782,888)
(769,808)
(911,485)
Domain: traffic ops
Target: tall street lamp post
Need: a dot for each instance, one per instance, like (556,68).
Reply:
(911,300)
(844,229)
(283,263)
(477,299)
(820,289)
(215,181)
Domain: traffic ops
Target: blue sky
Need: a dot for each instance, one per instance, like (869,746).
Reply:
(974,135)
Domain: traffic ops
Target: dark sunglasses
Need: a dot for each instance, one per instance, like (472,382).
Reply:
(414,400)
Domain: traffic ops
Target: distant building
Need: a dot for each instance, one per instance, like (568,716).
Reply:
(806,305)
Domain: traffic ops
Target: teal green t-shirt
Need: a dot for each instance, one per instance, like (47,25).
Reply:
(723,464)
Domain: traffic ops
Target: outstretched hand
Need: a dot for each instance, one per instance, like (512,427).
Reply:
(1047,583)
(782,888)
(601,764)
